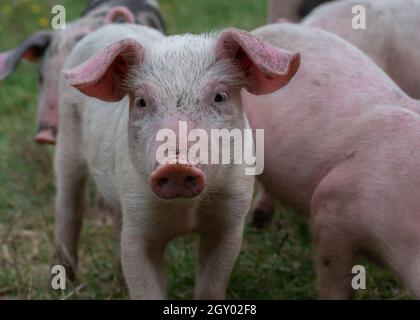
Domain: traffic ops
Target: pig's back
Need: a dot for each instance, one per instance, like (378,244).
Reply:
(333,72)
(390,38)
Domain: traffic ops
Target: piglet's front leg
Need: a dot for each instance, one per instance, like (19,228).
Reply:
(221,234)
(217,256)
(143,266)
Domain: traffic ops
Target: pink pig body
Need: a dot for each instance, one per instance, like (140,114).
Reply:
(390,38)
(344,143)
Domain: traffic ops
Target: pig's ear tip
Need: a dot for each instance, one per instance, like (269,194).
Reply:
(295,62)
(298,58)
(4,74)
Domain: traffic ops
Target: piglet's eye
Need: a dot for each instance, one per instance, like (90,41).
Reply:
(141,103)
(220,97)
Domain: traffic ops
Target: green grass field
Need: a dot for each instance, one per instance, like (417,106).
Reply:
(274,263)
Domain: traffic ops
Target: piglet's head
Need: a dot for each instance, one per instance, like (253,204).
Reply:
(186,85)
(49,50)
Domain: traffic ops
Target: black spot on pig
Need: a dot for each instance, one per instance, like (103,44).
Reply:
(327,262)
(178,103)
(349,155)
(316,83)
(307,6)
(76,113)
(136,7)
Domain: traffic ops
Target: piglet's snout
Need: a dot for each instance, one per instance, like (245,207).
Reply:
(45,136)
(170,181)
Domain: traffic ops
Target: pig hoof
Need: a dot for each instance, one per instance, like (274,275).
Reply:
(46,136)
(70,273)
(103,218)
(70,268)
(102,215)
(261,218)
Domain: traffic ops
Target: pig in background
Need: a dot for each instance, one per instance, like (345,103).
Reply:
(50,49)
(390,39)
(147,83)
(344,145)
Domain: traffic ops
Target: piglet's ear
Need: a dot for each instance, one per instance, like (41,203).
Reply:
(267,67)
(31,49)
(100,76)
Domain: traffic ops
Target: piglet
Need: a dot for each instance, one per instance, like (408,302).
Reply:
(344,145)
(142,84)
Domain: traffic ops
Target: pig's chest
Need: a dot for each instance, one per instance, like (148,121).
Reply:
(172,219)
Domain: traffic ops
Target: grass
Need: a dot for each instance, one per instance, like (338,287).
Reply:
(274,263)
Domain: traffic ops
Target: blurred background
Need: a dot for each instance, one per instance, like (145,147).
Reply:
(274,264)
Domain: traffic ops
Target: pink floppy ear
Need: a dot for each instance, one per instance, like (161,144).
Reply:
(267,67)
(119,12)
(99,76)
(31,49)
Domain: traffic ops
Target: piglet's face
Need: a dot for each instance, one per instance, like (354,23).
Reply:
(182,86)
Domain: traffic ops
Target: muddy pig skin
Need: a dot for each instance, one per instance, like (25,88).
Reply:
(50,49)
(136,82)
(344,145)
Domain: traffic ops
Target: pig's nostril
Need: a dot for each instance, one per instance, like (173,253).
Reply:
(190,182)
(172,181)
(162,181)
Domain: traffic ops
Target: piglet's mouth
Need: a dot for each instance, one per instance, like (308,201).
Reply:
(171,181)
